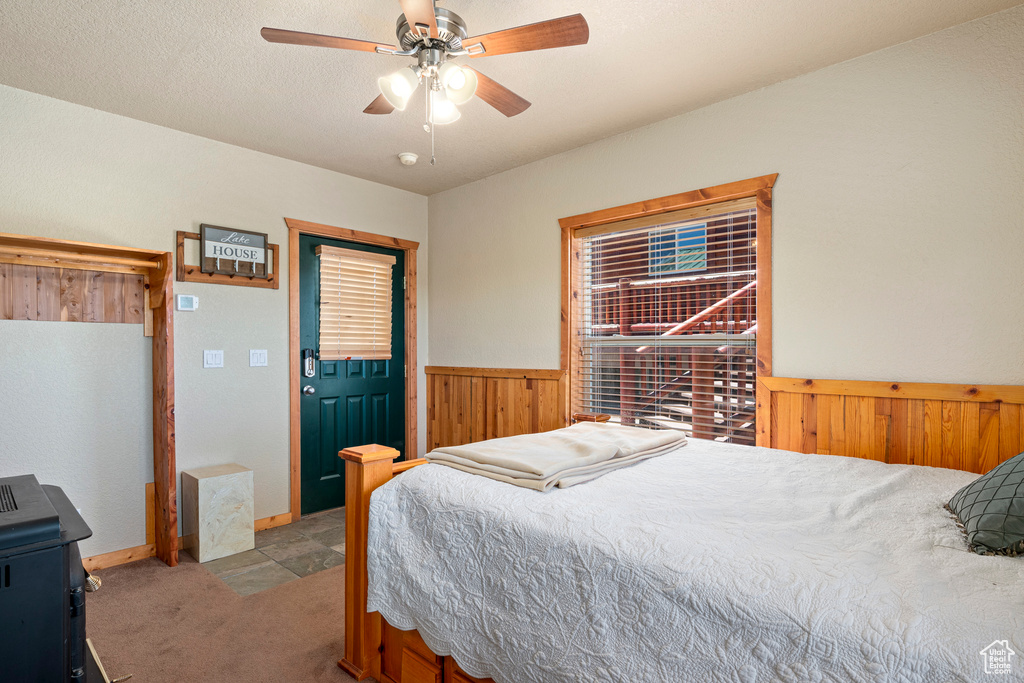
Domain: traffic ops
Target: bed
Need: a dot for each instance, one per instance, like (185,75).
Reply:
(712,562)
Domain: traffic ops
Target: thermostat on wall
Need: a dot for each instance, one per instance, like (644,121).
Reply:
(187,302)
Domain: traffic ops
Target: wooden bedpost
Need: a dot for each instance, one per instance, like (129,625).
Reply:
(366,468)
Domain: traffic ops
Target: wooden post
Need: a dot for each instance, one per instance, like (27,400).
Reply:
(627,360)
(366,468)
(703,396)
(161,301)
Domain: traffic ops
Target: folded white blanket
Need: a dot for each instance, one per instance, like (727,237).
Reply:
(563,457)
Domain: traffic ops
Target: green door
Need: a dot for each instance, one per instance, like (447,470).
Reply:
(346,402)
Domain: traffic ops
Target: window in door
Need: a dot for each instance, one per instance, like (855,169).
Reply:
(355,304)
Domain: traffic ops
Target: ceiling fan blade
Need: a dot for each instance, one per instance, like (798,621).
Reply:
(572,30)
(379,106)
(499,97)
(277,35)
(420,12)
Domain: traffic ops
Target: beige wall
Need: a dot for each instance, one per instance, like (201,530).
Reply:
(899,234)
(74,398)
(899,216)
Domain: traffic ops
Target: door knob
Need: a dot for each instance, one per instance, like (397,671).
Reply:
(308,390)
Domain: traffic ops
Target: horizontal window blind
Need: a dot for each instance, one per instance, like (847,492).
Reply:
(667,321)
(355,304)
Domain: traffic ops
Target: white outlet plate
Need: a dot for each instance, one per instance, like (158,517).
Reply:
(213,359)
(257,358)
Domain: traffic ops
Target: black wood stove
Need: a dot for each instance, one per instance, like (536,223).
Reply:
(42,584)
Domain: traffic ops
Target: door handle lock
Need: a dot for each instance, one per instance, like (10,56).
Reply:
(308,390)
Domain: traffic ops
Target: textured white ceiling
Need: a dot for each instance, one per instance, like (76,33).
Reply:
(201,67)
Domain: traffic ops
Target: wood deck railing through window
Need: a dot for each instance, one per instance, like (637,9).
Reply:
(674,352)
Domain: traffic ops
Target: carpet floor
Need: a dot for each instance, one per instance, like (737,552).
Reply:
(160,624)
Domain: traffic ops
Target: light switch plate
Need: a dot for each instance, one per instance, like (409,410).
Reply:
(257,358)
(188,302)
(213,359)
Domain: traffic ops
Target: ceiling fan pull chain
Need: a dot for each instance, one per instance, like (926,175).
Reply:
(426,109)
(429,125)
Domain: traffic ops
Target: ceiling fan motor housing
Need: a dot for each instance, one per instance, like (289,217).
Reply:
(430,56)
(451,31)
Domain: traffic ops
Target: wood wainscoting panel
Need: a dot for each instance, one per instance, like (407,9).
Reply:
(70,294)
(963,427)
(473,404)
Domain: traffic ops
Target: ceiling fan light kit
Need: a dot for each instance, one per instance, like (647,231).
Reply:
(460,83)
(399,86)
(434,36)
(442,110)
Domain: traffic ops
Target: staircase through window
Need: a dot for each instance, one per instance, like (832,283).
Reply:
(665,320)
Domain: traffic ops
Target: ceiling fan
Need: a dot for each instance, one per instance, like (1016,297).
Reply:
(435,36)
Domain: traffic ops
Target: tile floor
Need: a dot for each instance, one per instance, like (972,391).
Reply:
(286,553)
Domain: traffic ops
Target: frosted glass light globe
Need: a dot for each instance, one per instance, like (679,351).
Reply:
(443,110)
(400,87)
(457,79)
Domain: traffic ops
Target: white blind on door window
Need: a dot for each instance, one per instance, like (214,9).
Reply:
(667,321)
(355,304)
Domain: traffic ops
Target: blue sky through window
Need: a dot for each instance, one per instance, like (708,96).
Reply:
(682,249)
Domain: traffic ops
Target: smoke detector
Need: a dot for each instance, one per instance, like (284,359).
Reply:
(407,158)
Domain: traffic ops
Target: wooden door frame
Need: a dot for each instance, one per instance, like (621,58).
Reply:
(759,188)
(298,227)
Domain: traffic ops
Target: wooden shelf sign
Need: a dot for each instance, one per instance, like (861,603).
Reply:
(232,252)
(229,257)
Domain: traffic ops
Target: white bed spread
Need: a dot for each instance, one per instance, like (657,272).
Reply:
(711,563)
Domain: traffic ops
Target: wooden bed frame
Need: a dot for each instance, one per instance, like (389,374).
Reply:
(374,648)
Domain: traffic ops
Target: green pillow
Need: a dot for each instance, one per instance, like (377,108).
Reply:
(990,510)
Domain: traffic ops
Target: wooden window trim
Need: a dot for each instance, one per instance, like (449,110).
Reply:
(760,189)
(298,227)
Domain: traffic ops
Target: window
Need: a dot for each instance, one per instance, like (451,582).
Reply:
(678,250)
(355,304)
(662,324)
